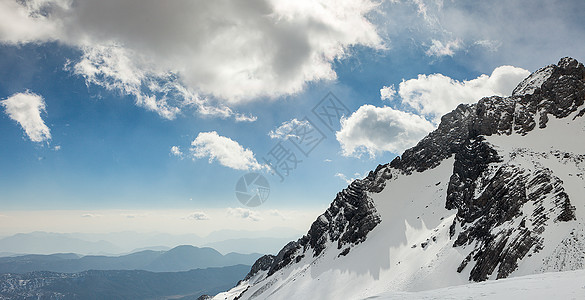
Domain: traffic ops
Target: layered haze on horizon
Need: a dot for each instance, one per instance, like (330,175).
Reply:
(111,121)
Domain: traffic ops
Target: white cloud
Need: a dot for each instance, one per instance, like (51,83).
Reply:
(243,213)
(226,151)
(343,177)
(57,148)
(490,45)
(198,216)
(133,215)
(277,213)
(25,109)
(387,92)
(228,50)
(436,94)
(376,129)
(448,48)
(373,130)
(485,27)
(176,151)
(119,69)
(285,130)
(21,22)
(245,118)
(350,180)
(89,215)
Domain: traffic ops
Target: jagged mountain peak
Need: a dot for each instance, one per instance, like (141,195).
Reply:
(565,66)
(495,190)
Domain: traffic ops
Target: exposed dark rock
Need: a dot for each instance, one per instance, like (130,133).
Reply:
(556,90)
(439,144)
(347,221)
(486,199)
(262,264)
(344,252)
(470,163)
(487,194)
(284,257)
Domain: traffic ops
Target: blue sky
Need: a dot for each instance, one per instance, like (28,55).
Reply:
(123,82)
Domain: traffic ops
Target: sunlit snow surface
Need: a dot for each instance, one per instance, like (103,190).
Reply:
(409,255)
(553,285)
(530,84)
(556,285)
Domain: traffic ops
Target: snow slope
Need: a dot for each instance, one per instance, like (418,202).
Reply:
(559,148)
(498,190)
(557,285)
(411,250)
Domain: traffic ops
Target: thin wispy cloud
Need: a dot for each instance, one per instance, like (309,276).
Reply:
(90,215)
(447,48)
(349,180)
(198,216)
(243,213)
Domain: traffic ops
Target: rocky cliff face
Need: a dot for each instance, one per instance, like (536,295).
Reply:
(504,200)
(346,222)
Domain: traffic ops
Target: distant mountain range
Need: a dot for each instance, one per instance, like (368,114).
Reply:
(117,243)
(126,284)
(46,243)
(181,258)
(249,245)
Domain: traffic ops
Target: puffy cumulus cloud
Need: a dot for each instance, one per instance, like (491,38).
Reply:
(373,129)
(285,130)
(226,151)
(436,94)
(387,92)
(243,213)
(228,50)
(25,109)
(198,216)
(24,22)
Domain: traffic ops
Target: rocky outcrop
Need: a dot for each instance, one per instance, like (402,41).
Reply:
(560,92)
(262,264)
(486,198)
(346,222)
(487,193)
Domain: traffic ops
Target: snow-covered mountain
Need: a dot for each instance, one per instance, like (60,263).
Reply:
(496,191)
